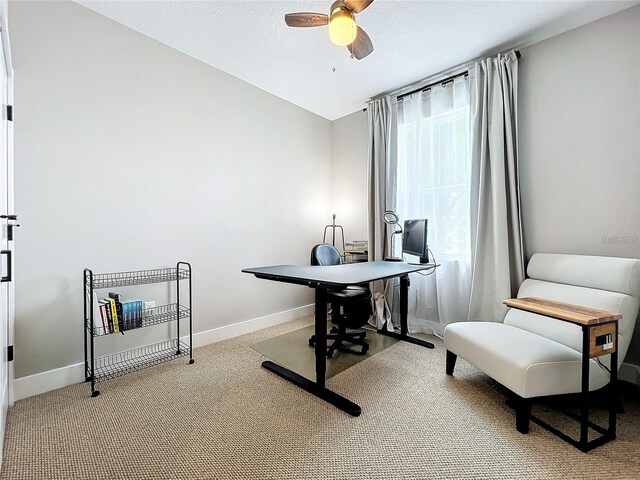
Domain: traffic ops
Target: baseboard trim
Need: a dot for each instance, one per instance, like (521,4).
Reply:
(46,381)
(38,383)
(226,332)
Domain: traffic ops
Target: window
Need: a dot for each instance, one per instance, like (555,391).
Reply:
(434,167)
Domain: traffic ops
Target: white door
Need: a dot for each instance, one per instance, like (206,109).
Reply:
(7,220)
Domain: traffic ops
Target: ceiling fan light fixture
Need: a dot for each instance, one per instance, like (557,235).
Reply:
(342,26)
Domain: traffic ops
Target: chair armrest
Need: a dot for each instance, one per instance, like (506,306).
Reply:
(563,311)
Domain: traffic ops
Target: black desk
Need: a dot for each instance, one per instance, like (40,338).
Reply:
(336,277)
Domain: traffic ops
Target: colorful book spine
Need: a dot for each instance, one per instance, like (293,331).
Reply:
(114,314)
(140,312)
(119,312)
(126,313)
(107,311)
(104,318)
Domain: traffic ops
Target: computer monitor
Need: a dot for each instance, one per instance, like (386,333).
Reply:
(414,239)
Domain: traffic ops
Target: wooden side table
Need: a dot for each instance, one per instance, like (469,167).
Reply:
(599,337)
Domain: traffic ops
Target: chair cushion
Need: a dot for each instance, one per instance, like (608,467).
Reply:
(614,274)
(350,294)
(526,363)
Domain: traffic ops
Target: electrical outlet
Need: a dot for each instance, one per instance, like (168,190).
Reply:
(150,308)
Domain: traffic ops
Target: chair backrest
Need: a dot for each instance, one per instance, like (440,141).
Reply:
(605,283)
(325,254)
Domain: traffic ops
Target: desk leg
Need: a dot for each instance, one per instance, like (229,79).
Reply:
(317,388)
(404,313)
(321,337)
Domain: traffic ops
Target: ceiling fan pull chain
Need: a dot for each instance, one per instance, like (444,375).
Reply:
(333,58)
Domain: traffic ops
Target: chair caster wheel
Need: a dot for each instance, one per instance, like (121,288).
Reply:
(365,349)
(95,393)
(312,342)
(330,353)
(192,361)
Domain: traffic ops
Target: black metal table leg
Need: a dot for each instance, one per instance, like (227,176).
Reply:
(404,313)
(321,337)
(317,388)
(613,386)
(609,433)
(584,397)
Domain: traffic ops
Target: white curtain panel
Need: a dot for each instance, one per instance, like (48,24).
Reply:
(497,252)
(382,188)
(434,172)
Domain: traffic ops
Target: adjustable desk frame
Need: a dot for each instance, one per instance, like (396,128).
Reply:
(404,310)
(318,388)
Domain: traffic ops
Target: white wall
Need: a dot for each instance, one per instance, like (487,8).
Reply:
(579,124)
(132,155)
(579,139)
(350,136)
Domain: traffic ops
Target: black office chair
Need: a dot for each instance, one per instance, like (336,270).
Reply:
(350,307)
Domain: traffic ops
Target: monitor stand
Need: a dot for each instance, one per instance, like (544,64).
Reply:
(423,261)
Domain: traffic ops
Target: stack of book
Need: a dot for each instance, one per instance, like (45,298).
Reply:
(356,251)
(115,315)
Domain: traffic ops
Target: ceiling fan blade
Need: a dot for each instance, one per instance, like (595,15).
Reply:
(306,19)
(356,6)
(361,46)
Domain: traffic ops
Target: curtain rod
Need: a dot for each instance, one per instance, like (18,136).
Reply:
(442,82)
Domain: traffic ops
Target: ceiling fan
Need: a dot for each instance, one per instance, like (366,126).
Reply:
(342,25)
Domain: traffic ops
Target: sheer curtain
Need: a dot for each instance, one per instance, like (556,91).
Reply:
(434,179)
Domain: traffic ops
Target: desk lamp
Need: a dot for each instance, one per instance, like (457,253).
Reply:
(391,218)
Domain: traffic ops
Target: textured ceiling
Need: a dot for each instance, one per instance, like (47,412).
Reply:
(412,39)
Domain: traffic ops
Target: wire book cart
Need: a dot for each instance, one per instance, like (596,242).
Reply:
(122,363)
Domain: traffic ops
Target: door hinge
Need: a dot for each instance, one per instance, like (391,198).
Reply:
(10,353)
(10,113)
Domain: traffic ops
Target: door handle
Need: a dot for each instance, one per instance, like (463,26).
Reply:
(7,278)
(10,226)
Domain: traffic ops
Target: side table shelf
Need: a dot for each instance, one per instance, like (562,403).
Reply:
(123,363)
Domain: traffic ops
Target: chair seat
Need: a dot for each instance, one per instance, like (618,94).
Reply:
(351,294)
(526,363)
(350,307)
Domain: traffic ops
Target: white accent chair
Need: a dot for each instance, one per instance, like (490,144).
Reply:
(538,356)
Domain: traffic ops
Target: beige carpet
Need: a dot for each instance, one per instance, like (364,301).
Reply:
(292,351)
(227,418)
